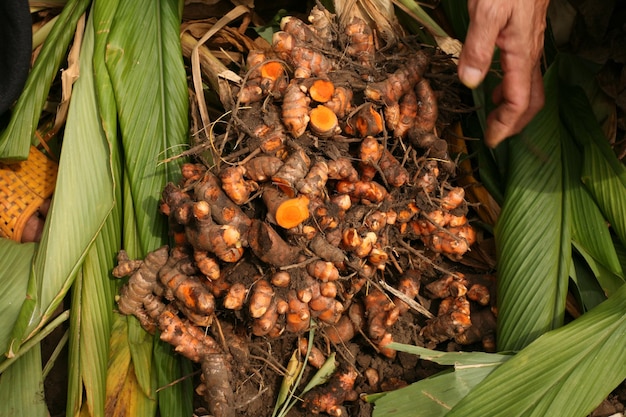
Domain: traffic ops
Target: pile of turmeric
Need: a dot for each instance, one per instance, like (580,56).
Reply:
(332,167)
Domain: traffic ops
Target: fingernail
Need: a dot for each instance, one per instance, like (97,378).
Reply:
(470,76)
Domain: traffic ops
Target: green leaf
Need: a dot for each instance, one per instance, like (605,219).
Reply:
(602,173)
(16,139)
(532,234)
(175,397)
(590,231)
(587,288)
(15,267)
(435,396)
(565,372)
(82,201)
(21,387)
(144,59)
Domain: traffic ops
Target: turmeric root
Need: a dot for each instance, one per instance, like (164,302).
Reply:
(360,41)
(188,290)
(223,210)
(308,62)
(260,298)
(224,241)
(316,356)
(370,150)
(400,82)
(321,247)
(269,247)
(377,305)
(453,198)
(234,184)
(314,183)
(322,21)
(266,322)
(392,170)
(330,397)
(365,121)
(207,264)
(262,168)
(342,169)
(446,326)
(341,101)
(234,299)
(298,315)
(367,192)
(281,279)
(293,170)
(273,138)
(284,211)
(323,270)
(427,110)
(303,33)
(295,110)
(347,326)
(138,292)
(408,107)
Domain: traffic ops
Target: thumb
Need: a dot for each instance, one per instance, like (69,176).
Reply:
(477,52)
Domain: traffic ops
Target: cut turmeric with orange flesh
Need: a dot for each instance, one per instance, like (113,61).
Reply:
(272,70)
(321,90)
(323,122)
(292,212)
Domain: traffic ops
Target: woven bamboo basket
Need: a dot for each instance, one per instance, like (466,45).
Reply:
(24,186)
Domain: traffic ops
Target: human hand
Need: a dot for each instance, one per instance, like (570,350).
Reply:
(517,28)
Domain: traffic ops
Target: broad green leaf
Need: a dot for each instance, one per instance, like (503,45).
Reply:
(590,231)
(602,173)
(435,396)
(125,397)
(16,139)
(144,60)
(178,394)
(565,372)
(457,359)
(15,267)
(21,387)
(584,275)
(145,63)
(532,234)
(92,298)
(82,201)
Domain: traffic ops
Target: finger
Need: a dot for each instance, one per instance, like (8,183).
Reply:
(536,100)
(486,22)
(515,91)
